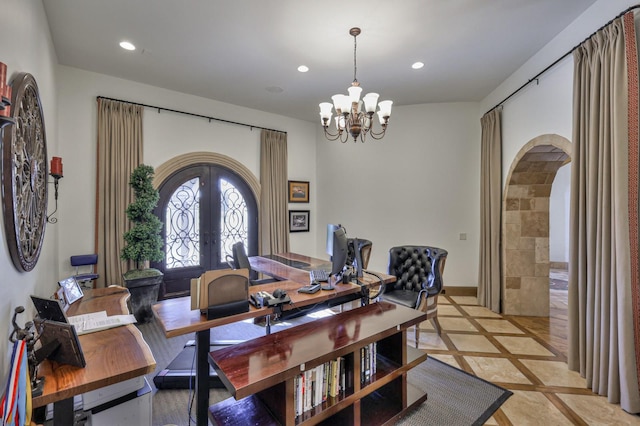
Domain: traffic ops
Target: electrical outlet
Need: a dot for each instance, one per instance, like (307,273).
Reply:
(463,236)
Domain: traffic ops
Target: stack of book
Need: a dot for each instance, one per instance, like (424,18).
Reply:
(314,386)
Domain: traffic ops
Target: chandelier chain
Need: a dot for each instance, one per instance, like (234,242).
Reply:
(355,66)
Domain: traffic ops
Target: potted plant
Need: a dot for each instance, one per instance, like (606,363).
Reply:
(143,244)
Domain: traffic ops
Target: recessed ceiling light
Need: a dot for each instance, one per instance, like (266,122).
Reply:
(126,45)
(417,65)
(303,68)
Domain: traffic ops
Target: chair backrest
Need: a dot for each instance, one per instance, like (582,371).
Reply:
(240,258)
(365,251)
(85,261)
(218,287)
(417,268)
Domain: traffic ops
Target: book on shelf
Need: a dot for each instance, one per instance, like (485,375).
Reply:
(312,387)
(368,359)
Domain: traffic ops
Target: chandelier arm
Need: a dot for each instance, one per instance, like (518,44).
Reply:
(378,135)
(331,136)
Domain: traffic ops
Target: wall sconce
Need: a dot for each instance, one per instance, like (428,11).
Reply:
(55,170)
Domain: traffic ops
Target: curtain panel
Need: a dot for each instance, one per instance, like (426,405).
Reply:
(119,152)
(603,324)
(490,271)
(274,220)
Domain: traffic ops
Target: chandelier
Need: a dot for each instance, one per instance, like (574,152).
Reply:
(351,118)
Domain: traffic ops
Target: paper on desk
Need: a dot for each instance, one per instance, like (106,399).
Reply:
(96,321)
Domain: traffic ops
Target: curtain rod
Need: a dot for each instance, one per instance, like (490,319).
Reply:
(535,78)
(191,114)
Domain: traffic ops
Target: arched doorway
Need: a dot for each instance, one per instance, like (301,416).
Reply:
(206,205)
(525,235)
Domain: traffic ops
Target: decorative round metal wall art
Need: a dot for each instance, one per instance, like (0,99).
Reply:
(24,174)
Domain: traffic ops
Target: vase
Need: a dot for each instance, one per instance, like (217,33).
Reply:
(144,293)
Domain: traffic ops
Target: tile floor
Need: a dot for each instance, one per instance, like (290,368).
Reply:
(518,354)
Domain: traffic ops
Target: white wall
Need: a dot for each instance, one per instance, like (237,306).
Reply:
(25,46)
(418,185)
(166,135)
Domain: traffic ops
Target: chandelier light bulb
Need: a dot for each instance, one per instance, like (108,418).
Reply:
(385,108)
(370,102)
(325,109)
(354,93)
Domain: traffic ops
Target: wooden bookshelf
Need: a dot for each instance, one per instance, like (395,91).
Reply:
(260,374)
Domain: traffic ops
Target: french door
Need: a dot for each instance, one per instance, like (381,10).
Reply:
(205,209)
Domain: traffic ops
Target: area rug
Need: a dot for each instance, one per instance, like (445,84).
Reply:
(455,397)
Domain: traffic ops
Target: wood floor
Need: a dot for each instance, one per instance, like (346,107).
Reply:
(526,355)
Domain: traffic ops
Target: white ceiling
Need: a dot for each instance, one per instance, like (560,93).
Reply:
(238,51)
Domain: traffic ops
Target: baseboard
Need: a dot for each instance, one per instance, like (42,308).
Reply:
(559,265)
(460,291)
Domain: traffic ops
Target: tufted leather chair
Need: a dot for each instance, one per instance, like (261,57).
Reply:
(418,270)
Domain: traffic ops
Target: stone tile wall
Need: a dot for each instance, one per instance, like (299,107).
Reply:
(526,230)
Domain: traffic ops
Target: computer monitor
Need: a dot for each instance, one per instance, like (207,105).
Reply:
(330,230)
(340,249)
(337,248)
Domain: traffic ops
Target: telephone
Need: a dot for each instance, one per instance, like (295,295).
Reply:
(263,299)
(260,299)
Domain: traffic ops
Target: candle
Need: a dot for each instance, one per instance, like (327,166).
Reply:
(3,76)
(56,167)
(7,108)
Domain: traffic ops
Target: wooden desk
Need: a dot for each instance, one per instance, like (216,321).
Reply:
(177,318)
(272,266)
(112,355)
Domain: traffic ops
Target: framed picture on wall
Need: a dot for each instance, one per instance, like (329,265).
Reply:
(298,191)
(298,220)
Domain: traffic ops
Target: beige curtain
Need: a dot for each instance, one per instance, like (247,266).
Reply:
(119,152)
(274,220)
(489,276)
(601,321)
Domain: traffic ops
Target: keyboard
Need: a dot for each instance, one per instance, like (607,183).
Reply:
(318,275)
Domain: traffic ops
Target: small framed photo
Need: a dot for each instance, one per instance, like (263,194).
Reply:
(72,290)
(298,220)
(59,295)
(298,191)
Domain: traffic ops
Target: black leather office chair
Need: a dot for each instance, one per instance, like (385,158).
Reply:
(87,262)
(240,260)
(418,270)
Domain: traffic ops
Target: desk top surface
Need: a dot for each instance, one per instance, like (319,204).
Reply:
(177,318)
(112,355)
